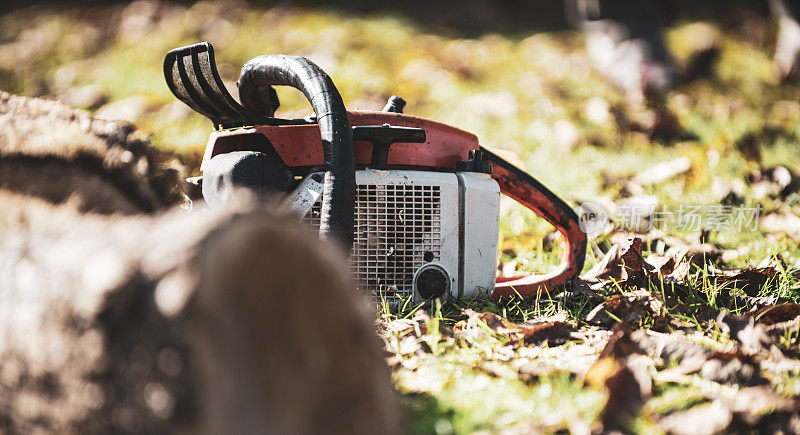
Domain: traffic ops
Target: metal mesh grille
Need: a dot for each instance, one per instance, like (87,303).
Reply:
(398,229)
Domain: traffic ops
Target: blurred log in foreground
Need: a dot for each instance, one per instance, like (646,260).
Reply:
(238,322)
(51,151)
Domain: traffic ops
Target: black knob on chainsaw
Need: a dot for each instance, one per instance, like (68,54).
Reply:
(383,136)
(474,163)
(395,104)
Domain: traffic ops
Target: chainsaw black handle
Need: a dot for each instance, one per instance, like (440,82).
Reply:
(384,136)
(338,203)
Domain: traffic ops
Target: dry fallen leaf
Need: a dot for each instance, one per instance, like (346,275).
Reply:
(662,264)
(750,281)
(672,348)
(547,330)
(756,409)
(707,419)
(552,333)
(751,336)
(629,307)
(494,322)
(777,314)
(627,384)
(733,367)
(621,262)
(679,258)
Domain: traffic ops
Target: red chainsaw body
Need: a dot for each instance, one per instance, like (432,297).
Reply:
(300,145)
(192,76)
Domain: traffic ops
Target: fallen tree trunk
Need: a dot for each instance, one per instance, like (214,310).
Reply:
(236,322)
(60,154)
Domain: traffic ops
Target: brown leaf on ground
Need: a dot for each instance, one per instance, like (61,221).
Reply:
(581,287)
(552,333)
(750,281)
(696,252)
(733,367)
(627,385)
(671,348)
(743,410)
(629,307)
(751,336)
(675,261)
(626,395)
(496,323)
(548,330)
(663,265)
(705,419)
(621,262)
(777,314)
(630,256)
(725,367)
(620,344)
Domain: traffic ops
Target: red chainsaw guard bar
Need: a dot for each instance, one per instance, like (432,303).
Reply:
(519,185)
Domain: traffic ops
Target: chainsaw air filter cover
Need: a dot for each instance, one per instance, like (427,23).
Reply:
(417,228)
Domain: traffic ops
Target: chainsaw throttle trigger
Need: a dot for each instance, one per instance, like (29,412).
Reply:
(384,136)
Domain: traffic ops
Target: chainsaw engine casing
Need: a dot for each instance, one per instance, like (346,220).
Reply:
(423,235)
(415,201)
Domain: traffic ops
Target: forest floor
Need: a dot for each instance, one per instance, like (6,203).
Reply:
(686,314)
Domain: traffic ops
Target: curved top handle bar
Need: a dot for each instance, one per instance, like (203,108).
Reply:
(338,201)
(526,190)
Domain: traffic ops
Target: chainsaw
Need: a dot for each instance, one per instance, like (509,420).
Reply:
(415,202)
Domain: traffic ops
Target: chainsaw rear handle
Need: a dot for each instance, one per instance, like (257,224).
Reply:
(255,81)
(526,190)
